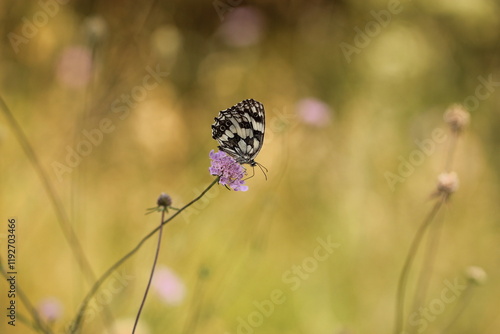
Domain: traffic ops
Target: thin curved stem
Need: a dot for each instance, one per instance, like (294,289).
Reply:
(152,272)
(62,218)
(75,324)
(426,270)
(403,279)
(464,301)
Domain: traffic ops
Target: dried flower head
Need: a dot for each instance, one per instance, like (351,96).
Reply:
(163,204)
(447,183)
(476,275)
(457,118)
(95,28)
(231,173)
(164,200)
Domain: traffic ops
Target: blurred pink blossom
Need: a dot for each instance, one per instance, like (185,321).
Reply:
(243,26)
(314,112)
(169,286)
(74,68)
(50,309)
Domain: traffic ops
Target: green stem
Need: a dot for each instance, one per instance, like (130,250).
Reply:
(152,272)
(464,301)
(62,218)
(75,324)
(426,269)
(403,279)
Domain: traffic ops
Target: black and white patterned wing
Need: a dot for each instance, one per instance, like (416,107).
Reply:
(239,130)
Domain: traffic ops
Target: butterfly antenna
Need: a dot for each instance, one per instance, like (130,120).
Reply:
(253,174)
(263,169)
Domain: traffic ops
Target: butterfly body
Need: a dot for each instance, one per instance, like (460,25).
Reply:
(239,130)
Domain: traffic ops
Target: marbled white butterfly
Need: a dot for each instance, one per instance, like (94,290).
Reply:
(240,131)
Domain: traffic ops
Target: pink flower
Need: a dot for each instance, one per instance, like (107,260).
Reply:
(169,286)
(75,66)
(231,173)
(50,309)
(314,112)
(243,26)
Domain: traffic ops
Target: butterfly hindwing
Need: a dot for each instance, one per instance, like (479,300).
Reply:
(239,130)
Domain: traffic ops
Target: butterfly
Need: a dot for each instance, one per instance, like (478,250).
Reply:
(239,130)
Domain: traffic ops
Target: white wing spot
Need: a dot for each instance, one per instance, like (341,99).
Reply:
(242,145)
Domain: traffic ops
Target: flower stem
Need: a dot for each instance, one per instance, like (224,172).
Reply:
(76,322)
(152,272)
(426,270)
(464,301)
(62,217)
(403,279)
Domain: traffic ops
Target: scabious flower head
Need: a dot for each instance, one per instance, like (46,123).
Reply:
(447,183)
(457,118)
(231,173)
(164,200)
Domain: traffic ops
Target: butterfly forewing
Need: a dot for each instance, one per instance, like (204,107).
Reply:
(239,130)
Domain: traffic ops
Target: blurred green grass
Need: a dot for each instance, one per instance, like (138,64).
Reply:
(324,180)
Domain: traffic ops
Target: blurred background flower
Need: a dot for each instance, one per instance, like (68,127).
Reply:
(74,68)
(50,309)
(314,112)
(243,26)
(169,287)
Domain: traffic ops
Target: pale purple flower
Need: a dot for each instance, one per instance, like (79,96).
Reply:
(447,183)
(75,66)
(242,27)
(231,173)
(314,112)
(168,286)
(50,309)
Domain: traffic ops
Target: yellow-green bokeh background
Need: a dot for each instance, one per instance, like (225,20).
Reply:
(323,181)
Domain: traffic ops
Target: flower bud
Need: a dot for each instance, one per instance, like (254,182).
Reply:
(447,183)
(457,118)
(476,275)
(164,200)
